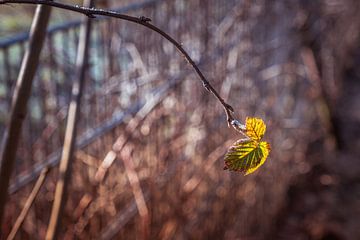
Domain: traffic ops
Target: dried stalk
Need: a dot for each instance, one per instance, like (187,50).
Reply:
(71,129)
(28,204)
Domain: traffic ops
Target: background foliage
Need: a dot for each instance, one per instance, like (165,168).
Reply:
(292,64)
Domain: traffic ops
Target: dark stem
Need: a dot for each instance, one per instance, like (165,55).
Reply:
(91,12)
(21,95)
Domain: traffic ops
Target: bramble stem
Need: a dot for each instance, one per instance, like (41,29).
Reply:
(92,12)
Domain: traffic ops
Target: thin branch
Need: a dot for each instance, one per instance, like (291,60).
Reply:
(28,204)
(92,12)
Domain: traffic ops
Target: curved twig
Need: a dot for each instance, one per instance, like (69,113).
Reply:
(91,12)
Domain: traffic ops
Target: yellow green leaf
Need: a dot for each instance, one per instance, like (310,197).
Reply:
(255,128)
(246,155)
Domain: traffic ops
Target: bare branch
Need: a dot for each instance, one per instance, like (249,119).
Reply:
(92,12)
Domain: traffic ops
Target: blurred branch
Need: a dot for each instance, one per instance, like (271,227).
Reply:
(71,129)
(28,204)
(140,200)
(92,12)
(121,219)
(318,93)
(21,96)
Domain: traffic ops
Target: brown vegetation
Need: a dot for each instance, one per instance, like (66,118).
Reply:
(293,63)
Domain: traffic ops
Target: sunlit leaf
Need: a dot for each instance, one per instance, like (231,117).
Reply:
(255,128)
(246,155)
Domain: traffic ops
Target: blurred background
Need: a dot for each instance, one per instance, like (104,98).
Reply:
(292,63)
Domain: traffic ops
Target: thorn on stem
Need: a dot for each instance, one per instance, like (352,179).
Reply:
(144,19)
(206,86)
(90,15)
(229,107)
(229,120)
